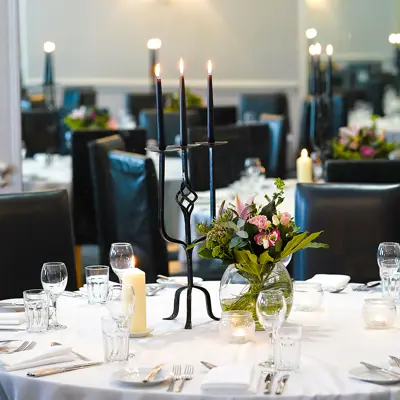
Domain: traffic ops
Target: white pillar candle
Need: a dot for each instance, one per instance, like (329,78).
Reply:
(137,279)
(304,168)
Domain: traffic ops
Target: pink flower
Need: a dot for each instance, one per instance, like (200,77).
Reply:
(352,130)
(285,218)
(367,151)
(273,237)
(112,124)
(260,221)
(259,238)
(243,210)
(354,145)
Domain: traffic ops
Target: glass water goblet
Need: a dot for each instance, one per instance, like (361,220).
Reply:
(121,258)
(120,302)
(388,258)
(271,310)
(54,277)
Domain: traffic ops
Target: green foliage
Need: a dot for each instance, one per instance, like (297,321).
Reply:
(192,101)
(88,118)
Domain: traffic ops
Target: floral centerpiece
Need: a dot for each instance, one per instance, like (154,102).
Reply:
(354,143)
(89,118)
(257,243)
(192,101)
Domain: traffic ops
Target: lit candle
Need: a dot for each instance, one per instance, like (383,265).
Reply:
(210,106)
(304,168)
(153,45)
(160,110)
(137,279)
(318,50)
(182,106)
(328,73)
(48,48)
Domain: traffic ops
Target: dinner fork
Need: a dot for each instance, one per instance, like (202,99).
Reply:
(176,373)
(394,361)
(187,376)
(30,346)
(20,348)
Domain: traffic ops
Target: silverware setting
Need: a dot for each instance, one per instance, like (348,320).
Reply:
(208,365)
(176,373)
(394,361)
(268,382)
(27,345)
(152,373)
(187,376)
(82,357)
(58,370)
(281,384)
(385,371)
(366,287)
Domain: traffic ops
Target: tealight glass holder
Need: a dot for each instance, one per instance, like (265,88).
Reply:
(307,296)
(237,326)
(379,313)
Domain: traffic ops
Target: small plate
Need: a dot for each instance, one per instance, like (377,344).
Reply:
(141,334)
(136,376)
(364,374)
(177,281)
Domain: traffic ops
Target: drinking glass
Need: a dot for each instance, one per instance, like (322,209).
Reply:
(115,339)
(97,283)
(388,257)
(54,278)
(121,302)
(271,309)
(287,348)
(121,258)
(36,302)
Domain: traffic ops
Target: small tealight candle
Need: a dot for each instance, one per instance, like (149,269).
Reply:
(304,167)
(237,326)
(379,313)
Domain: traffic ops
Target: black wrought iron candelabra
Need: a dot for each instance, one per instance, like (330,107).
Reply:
(186,198)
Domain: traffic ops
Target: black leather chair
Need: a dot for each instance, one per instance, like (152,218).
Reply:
(40,131)
(223,115)
(134,183)
(75,97)
(35,228)
(363,171)
(103,192)
(136,102)
(355,219)
(82,189)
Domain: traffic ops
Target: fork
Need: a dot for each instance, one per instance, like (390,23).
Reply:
(394,361)
(187,376)
(176,373)
(21,348)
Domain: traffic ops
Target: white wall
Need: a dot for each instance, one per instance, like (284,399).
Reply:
(10,136)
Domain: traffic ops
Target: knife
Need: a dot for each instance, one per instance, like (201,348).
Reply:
(268,382)
(151,374)
(208,365)
(379,369)
(281,384)
(52,371)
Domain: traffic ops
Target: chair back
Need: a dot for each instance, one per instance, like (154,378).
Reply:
(134,183)
(355,219)
(136,102)
(223,115)
(82,190)
(40,131)
(35,228)
(363,171)
(103,192)
(75,97)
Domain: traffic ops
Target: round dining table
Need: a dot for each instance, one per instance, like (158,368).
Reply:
(334,341)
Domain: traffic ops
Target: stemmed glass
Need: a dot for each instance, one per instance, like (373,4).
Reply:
(121,258)
(253,170)
(120,302)
(271,310)
(388,257)
(54,277)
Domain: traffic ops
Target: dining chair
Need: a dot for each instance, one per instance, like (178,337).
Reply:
(103,192)
(75,97)
(136,102)
(134,183)
(35,228)
(223,115)
(355,219)
(83,205)
(362,171)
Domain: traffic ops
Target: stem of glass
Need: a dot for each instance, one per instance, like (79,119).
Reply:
(54,319)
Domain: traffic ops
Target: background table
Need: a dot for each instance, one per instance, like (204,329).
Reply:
(334,340)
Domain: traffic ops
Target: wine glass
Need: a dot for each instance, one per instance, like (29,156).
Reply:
(121,258)
(120,302)
(388,258)
(271,310)
(54,277)
(253,170)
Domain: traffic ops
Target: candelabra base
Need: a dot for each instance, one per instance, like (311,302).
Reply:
(189,288)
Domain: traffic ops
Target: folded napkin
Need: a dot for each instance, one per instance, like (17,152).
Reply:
(330,281)
(36,357)
(229,379)
(12,318)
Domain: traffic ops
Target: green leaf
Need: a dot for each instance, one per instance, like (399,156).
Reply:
(234,242)
(241,223)
(205,253)
(242,234)
(230,225)
(292,244)
(265,258)
(193,245)
(316,245)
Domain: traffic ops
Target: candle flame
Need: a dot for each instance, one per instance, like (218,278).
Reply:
(304,153)
(311,50)
(317,48)
(49,47)
(329,49)
(209,67)
(133,261)
(181,66)
(157,70)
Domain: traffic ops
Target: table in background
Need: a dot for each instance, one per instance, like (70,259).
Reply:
(334,341)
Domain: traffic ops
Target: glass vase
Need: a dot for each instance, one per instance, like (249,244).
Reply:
(239,290)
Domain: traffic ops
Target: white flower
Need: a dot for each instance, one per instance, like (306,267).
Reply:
(275,220)
(265,243)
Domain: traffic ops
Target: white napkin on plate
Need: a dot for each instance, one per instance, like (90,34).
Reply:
(12,318)
(330,281)
(229,378)
(36,357)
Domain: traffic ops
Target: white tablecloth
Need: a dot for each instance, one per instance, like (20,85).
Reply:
(334,341)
